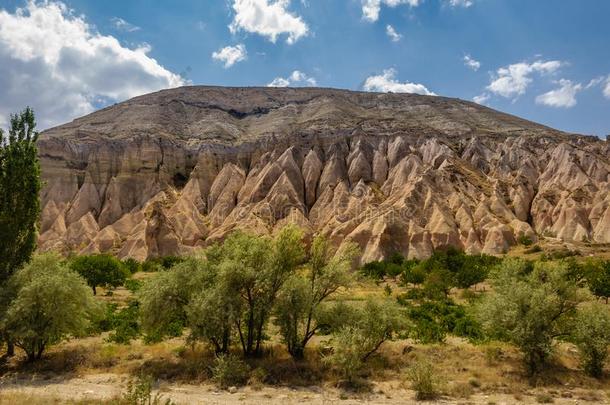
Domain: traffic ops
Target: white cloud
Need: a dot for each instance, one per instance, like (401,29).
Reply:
(371,8)
(55,62)
(472,63)
(268,18)
(481,99)
(391,32)
(461,3)
(296,79)
(562,97)
(595,82)
(513,80)
(123,25)
(230,55)
(386,83)
(607,88)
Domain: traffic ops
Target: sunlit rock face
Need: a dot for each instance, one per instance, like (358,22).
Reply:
(170,172)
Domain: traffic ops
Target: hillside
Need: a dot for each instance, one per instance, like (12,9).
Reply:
(174,170)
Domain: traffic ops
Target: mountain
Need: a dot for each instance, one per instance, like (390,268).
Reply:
(171,171)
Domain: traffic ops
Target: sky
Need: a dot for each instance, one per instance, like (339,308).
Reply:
(544,60)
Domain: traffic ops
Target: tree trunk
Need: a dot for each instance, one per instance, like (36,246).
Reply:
(94,290)
(10,348)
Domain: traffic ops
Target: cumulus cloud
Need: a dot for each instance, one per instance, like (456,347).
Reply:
(391,32)
(296,79)
(387,83)
(513,80)
(562,97)
(269,19)
(55,62)
(607,88)
(371,8)
(472,63)
(123,25)
(230,55)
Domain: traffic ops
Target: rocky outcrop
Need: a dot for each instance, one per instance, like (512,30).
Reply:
(173,171)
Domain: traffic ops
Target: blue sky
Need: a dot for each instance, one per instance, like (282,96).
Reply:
(544,60)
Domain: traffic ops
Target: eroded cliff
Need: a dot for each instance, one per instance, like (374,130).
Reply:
(175,170)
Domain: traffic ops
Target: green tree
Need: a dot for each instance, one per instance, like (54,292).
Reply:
(19,190)
(19,196)
(100,270)
(49,303)
(530,309)
(591,333)
(300,303)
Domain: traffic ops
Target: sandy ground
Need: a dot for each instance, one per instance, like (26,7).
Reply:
(108,386)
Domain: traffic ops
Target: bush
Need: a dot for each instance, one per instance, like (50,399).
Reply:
(434,320)
(361,334)
(133,285)
(132,265)
(525,240)
(592,336)
(598,278)
(229,370)
(100,270)
(530,310)
(125,324)
(139,392)
(424,381)
(48,303)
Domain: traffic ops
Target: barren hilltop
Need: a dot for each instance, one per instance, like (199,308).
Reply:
(168,172)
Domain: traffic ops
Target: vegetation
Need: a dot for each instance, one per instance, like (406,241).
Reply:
(229,370)
(592,336)
(530,308)
(48,303)
(424,381)
(300,312)
(100,270)
(19,189)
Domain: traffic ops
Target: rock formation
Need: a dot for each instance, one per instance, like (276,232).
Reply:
(172,171)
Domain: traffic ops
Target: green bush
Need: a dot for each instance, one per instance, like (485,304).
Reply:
(525,240)
(133,285)
(592,336)
(125,324)
(132,265)
(424,381)
(433,320)
(139,392)
(530,309)
(229,370)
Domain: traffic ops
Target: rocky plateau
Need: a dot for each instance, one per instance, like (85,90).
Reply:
(172,171)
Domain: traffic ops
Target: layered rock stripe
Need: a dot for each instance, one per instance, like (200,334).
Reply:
(172,171)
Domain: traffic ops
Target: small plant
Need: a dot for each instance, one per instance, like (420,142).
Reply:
(387,290)
(139,392)
(544,398)
(525,240)
(424,381)
(133,285)
(533,249)
(229,370)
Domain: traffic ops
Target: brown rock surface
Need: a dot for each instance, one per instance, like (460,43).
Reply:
(171,171)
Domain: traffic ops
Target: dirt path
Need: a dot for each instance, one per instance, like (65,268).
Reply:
(107,386)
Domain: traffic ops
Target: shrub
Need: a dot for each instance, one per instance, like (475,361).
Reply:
(533,249)
(229,370)
(100,270)
(433,320)
(598,279)
(133,285)
(530,310)
(525,240)
(132,265)
(424,381)
(592,336)
(125,324)
(139,392)
(361,334)
(49,302)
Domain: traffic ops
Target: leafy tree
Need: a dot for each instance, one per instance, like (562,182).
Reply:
(49,303)
(100,270)
(591,334)
(531,309)
(229,292)
(164,298)
(362,335)
(19,190)
(255,269)
(300,303)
